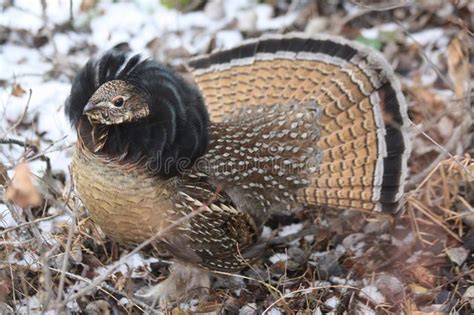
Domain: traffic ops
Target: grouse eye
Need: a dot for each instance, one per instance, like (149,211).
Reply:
(118,101)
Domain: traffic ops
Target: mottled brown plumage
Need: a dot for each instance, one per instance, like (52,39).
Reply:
(293,121)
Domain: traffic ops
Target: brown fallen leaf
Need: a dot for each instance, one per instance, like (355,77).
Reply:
(21,190)
(120,281)
(417,289)
(458,63)
(5,287)
(179,311)
(423,275)
(208,307)
(17,90)
(430,101)
(87,5)
(411,309)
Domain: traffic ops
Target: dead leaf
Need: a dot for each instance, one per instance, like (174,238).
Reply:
(411,309)
(208,307)
(417,289)
(4,288)
(427,98)
(179,311)
(120,282)
(17,90)
(86,5)
(21,190)
(458,63)
(423,275)
(446,127)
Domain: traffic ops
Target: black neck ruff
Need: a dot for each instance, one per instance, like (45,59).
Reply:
(169,140)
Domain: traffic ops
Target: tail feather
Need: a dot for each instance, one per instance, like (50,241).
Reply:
(362,113)
(360,132)
(338,202)
(360,147)
(330,167)
(344,180)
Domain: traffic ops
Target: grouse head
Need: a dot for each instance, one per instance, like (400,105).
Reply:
(138,111)
(116,102)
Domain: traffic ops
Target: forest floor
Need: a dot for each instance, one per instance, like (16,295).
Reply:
(54,259)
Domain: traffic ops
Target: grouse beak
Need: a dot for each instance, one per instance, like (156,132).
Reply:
(103,113)
(88,108)
(91,108)
(96,113)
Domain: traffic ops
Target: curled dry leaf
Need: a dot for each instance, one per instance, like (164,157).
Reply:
(423,275)
(411,309)
(17,90)
(87,5)
(458,63)
(21,190)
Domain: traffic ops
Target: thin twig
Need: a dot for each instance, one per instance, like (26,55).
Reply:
(71,12)
(236,275)
(311,230)
(306,291)
(19,143)
(34,149)
(415,203)
(17,243)
(23,114)
(12,281)
(19,219)
(42,245)
(383,6)
(444,151)
(446,81)
(104,288)
(21,225)
(453,107)
(72,228)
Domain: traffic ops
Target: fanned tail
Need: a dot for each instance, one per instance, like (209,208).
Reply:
(364,121)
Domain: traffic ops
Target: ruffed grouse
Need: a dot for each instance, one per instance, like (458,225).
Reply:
(270,126)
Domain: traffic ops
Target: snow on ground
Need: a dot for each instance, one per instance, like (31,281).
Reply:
(278,257)
(290,229)
(6,219)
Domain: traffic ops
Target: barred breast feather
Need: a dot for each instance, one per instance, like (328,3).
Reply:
(361,116)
